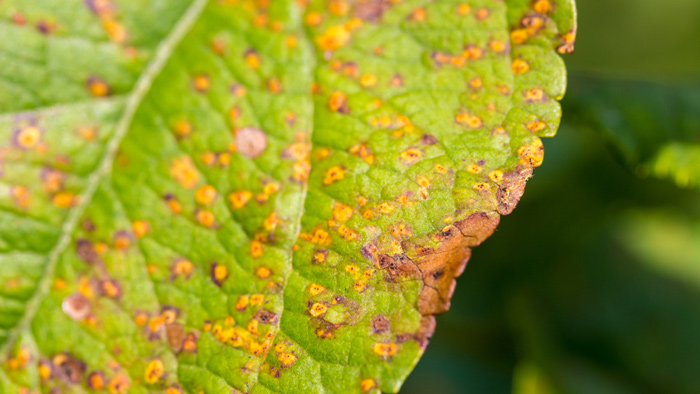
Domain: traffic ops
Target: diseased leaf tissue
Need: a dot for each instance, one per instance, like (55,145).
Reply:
(255,196)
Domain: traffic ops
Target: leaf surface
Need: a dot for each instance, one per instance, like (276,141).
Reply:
(256,196)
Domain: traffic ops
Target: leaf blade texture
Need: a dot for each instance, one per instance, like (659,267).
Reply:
(258,196)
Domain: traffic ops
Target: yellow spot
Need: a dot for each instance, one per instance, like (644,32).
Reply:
(184,172)
(472,121)
(205,218)
(368,80)
(317,309)
(271,188)
(205,195)
(333,38)
(342,212)
(315,289)
(183,128)
(140,228)
(352,269)
(496,176)
(410,155)
(362,200)
(367,385)
(334,174)
(239,199)
(354,23)
(385,208)
(263,272)
(154,371)
(384,349)
(44,371)
(287,359)
(337,101)
(256,249)
(359,286)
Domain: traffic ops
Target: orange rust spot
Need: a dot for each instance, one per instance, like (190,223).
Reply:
(316,289)
(119,384)
(205,195)
(287,359)
(184,172)
(385,208)
(472,121)
(334,174)
(201,83)
(463,9)
(542,6)
(98,87)
(140,228)
(418,14)
(520,66)
(263,272)
(313,19)
(256,249)
(532,154)
(28,137)
(410,156)
(64,199)
(338,102)
(252,59)
(384,349)
(536,126)
(239,199)
(205,218)
(496,176)
(519,36)
(333,38)
(338,7)
(368,80)
(535,94)
(367,385)
(347,233)
(317,309)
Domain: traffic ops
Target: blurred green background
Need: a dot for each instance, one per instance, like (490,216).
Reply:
(592,285)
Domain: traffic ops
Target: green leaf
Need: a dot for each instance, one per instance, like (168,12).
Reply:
(654,127)
(254,196)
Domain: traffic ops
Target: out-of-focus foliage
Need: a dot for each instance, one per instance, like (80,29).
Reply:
(654,127)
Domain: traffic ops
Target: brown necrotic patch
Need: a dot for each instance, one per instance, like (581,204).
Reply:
(251,142)
(265,316)
(68,368)
(76,306)
(511,189)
